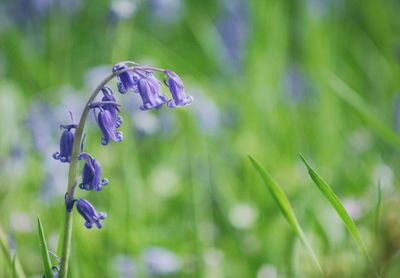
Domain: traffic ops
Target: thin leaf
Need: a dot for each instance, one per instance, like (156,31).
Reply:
(45,252)
(338,206)
(283,202)
(12,260)
(14,266)
(348,95)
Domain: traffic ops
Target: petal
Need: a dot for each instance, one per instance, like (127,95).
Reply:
(108,125)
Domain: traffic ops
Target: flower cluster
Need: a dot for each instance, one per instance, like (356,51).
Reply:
(131,77)
(142,80)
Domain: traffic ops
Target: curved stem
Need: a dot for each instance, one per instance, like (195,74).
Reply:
(130,62)
(150,68)
(66,249)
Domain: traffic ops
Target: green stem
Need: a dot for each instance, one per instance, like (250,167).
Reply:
(66,249)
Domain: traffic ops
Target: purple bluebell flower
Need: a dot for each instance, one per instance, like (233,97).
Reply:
(90,214)
(112,108)
(175,85)
(91,174)
(126,80)
(108,125)
(149,88)
(108,118)
(66,143)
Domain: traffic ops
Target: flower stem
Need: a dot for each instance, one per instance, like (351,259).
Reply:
(66,249)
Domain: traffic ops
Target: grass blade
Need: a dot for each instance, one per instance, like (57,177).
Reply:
(348,95)
(283,202)
(45,252)
(338,206)
(12,260)
(14,266)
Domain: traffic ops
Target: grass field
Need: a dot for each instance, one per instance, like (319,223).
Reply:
(270,79)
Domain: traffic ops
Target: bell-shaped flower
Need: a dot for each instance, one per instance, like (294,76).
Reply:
(91,174)
(111,107)
(126,80)
(175,85)
(90,214)
(108,125)
(66,143)
(150,91)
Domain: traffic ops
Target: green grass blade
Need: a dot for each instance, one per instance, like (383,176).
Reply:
(283,202)
(338,206)
(12,260)
(45,252)
(348,95)
(14,266)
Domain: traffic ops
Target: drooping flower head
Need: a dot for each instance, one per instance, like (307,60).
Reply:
(90,214)
(131,77)
(175,85)
(108,125)
(66,143)
(108,118)
(149,88)
(91,174)
(126,80)
(111,107)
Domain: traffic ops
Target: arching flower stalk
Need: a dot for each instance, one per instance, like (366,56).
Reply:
(132,77)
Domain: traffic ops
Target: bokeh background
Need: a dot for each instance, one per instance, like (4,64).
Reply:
(269,78)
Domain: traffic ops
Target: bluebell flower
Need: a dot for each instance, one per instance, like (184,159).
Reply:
(108,118)
(66,143)
(90,214)
(108,125)
(149,88)
(175,85)
(112,108)
(91,174)
(126,80)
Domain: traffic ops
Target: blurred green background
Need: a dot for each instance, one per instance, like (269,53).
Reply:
(269,78)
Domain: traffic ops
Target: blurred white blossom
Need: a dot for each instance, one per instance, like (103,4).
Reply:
(267,271)
(160,261)
(164,181)
(243,215)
